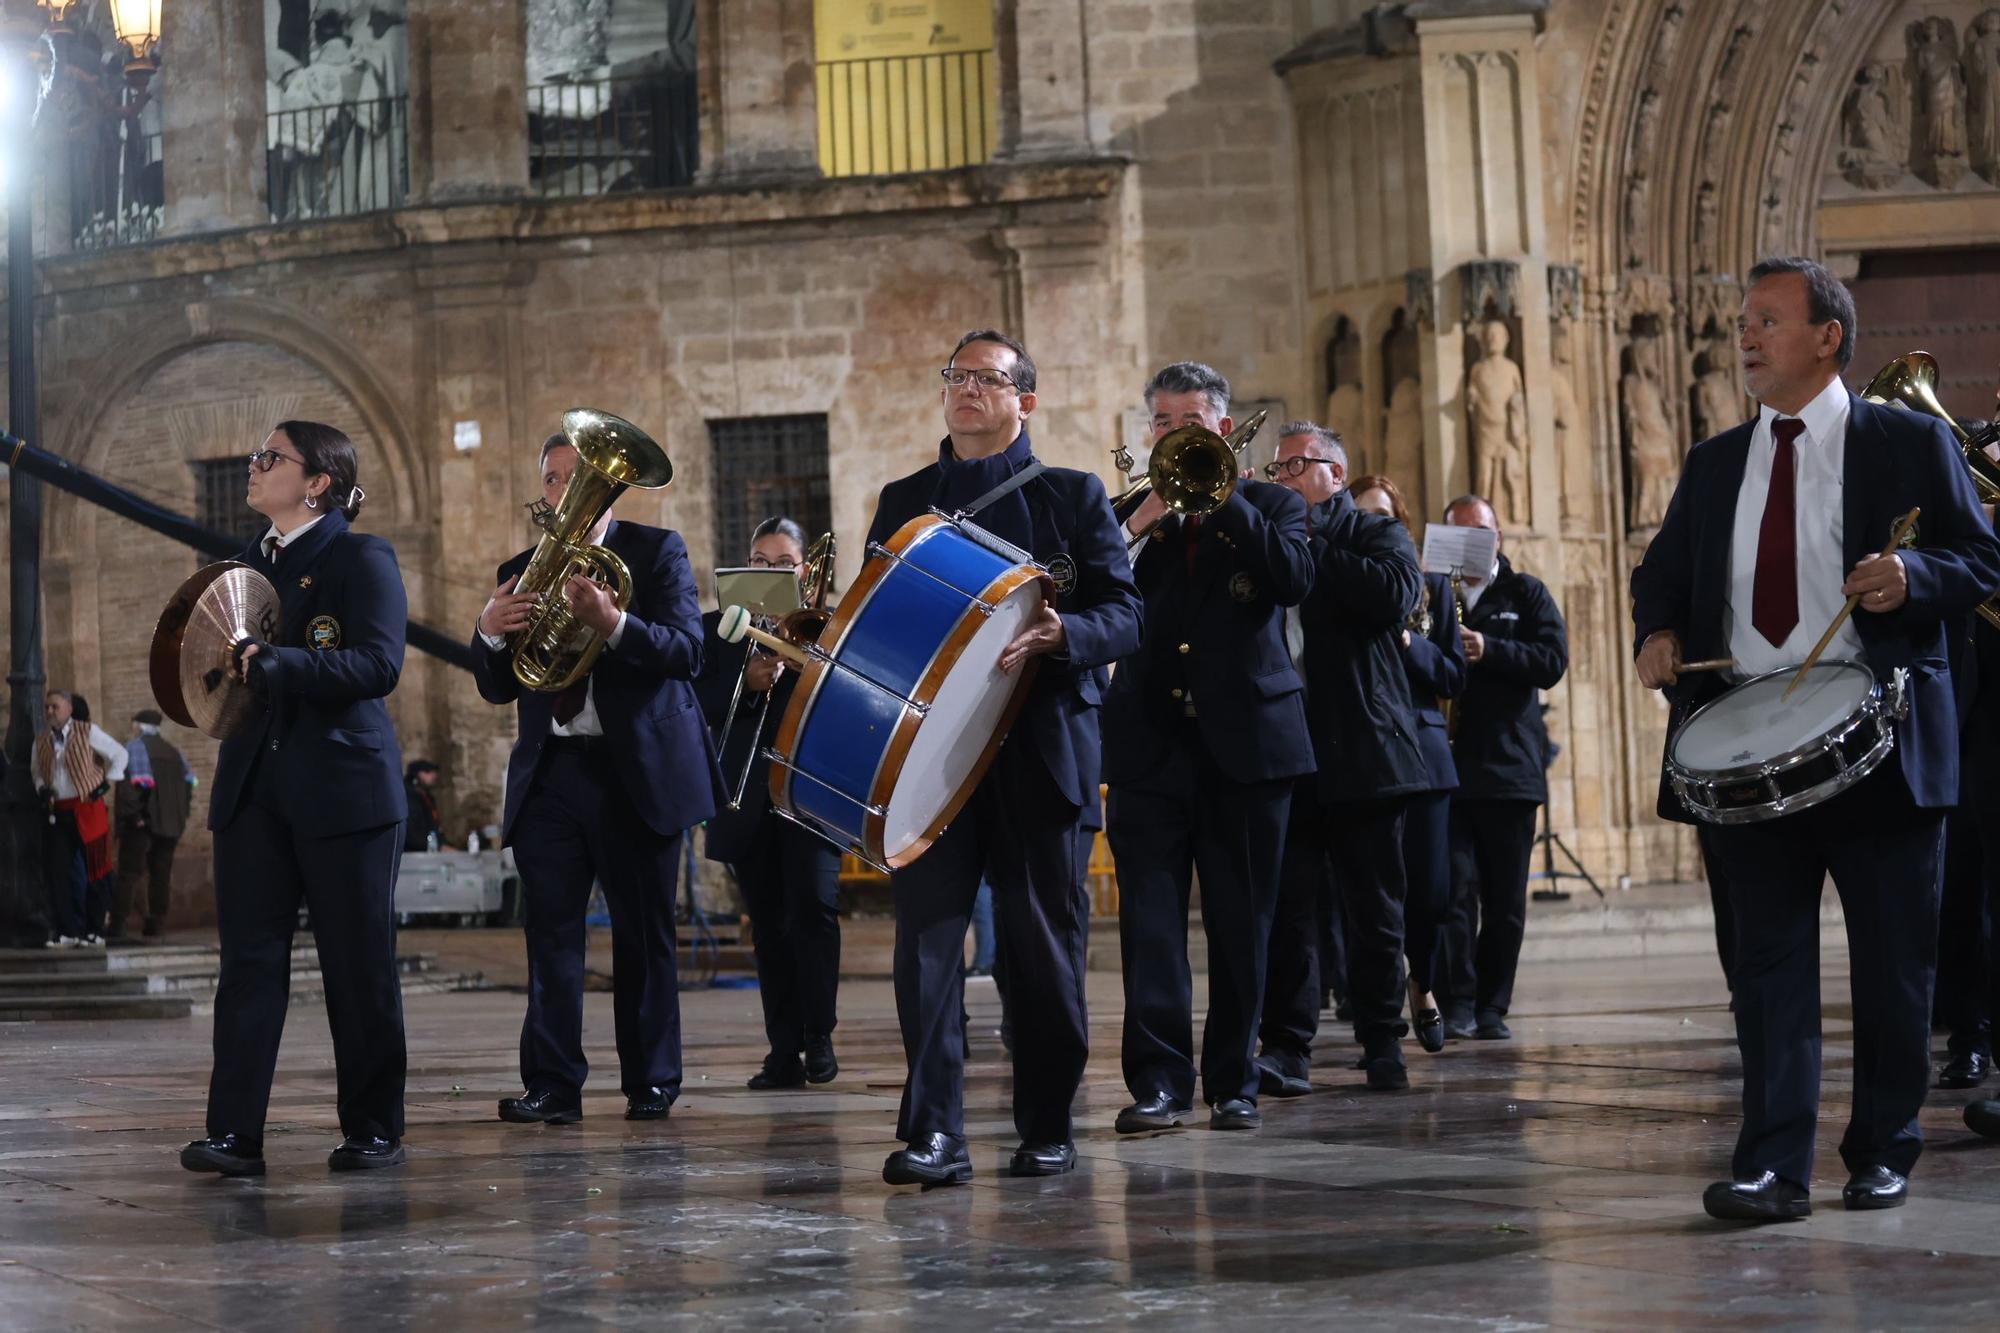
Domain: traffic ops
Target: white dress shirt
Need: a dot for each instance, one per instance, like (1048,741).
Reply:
(111,755)
(1819,456)
(275,541)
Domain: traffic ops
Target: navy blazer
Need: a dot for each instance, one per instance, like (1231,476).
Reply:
(1435,664)
(1894,460)
(324,745)
(658,744)
(1364,723)
(732,834)
(1218,633)
(1101,615)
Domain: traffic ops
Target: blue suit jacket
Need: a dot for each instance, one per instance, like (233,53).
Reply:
(1895,460)
(327,748)
(658,744)
(1220,633)
(1101,614)
(1435,664)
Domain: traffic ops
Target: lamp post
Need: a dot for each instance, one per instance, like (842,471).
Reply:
(31,33)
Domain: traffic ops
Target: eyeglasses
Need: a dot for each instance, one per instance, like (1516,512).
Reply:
(266,459)
(1292,467)
(985,379)
(782,562)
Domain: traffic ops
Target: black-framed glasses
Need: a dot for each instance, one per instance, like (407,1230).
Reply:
(1292,467)
(782,562)
(266,459)
(956,377)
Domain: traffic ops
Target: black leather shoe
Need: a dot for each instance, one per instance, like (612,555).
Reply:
(1763,1198)
(1388,1073)
(1493,1028)
(1460,1027)
(1966,1071)
(1983,1117)
(1874,1187)
(1235,1113)
(1042,1159)
(1158,1111)
(931,1159)
(779,1071)
(225,1155)
(648,1104)
(365,1152)
(1275,1082)
(542,1107)
(821,1067)
(1429,1025)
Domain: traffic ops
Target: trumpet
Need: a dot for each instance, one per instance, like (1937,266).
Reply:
(1192,469)
(795,630)
(1910,381)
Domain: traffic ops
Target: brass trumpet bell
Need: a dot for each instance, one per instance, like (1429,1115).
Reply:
(1192,469)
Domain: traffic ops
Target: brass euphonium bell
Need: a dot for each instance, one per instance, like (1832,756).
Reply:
(1910,381)
(555,649)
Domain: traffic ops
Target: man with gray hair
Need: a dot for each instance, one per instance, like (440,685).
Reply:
(1204,734)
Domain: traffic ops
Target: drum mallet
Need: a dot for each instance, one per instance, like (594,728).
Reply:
(1904,526)
(735,626)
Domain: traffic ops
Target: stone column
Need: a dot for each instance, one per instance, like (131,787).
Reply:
(1058,297)
(1044,111)
(212,115)
(759,103)
(468,99)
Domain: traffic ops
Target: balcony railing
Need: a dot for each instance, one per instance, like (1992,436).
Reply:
(117,189)
(905,113)
(330,161)
(605,136)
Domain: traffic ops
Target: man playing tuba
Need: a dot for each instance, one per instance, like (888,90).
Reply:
(608,773)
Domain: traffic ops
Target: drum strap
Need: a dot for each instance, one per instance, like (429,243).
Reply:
(1006,488)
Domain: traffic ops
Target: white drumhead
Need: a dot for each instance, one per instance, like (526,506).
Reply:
(1749,725)
(960,723)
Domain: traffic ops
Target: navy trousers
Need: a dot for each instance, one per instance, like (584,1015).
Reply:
(1427,868)
(1296,967)
(1492,844)
(578,826)
(791,886)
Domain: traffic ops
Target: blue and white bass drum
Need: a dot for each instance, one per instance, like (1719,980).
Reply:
(902,704)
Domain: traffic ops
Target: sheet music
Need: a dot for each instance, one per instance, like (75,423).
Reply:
(1471,551)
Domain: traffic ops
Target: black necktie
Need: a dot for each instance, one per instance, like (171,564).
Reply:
(569,702)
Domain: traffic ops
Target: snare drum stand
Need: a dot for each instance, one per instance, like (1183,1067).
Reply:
(1551,842)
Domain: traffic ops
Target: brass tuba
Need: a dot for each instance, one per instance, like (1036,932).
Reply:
(1910,381)
(1192,469)
(555,649)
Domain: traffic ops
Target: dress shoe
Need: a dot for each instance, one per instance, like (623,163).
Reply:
(1493,1028)
(779,1071)
(224,1154)
(366,1152)
(1762,1198)
(1983,1117)
(1460,1027)
(542,1107)
(1874,1187)
(1388,1073)
(1968,1070)
(1275,1082)
(1158,1111)
(1235,1113)
(648,1104)
(1343,1011)
(931,1159)
(821,1067)
(1429,1025)
(1042,1159)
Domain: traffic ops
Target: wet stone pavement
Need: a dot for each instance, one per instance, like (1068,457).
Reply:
(1554,1180)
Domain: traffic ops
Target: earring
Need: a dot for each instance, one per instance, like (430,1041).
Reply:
(312,502)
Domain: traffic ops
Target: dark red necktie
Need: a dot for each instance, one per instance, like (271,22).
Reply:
(1190,539)
(569,702)
(1774,599)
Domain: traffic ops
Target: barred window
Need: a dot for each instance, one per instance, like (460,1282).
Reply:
(220,498)
(768,466)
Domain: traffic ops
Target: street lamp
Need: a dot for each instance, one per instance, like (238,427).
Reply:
(137,23)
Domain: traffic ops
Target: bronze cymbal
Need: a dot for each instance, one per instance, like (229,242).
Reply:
(219,605)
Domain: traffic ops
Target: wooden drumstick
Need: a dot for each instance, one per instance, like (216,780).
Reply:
(1896,535)
(735,626)
(1707,664)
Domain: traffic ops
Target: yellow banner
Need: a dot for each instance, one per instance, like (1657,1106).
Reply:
(876,29)
(905,85)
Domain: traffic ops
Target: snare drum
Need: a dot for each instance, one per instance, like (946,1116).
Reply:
(1749,756)
(900,711)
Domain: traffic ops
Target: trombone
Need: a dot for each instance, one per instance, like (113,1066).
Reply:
(1910,381)
(800,629)
(1192,469)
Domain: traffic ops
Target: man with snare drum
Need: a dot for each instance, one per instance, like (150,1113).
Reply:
(1774,525)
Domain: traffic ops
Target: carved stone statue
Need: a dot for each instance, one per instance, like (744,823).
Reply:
(1982,94)
(1638,222)
(1707,205)
(1573,452)
(1496,409)
(1718,400)
(1940,101)
(1343,414)
(1874,137)
(1403,437)
(1649,437)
